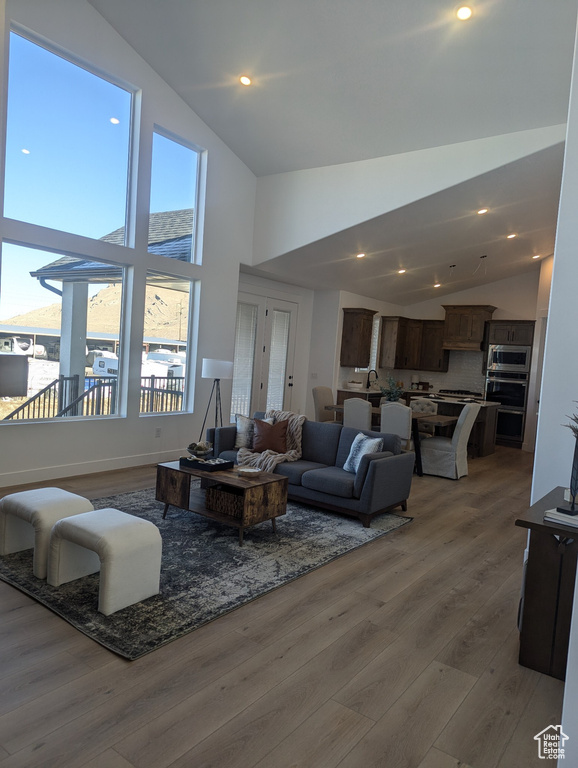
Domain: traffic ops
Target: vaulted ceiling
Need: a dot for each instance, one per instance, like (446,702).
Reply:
(335,81)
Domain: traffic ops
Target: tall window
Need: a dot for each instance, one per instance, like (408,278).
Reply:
(173,203)
(280,326)
(164,361)
(245,337)
(67,144)
(59,332)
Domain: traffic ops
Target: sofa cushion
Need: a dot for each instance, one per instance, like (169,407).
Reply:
(361,445)
(295,470)
(319,441)
(331,480)
(270,437)
(229,455)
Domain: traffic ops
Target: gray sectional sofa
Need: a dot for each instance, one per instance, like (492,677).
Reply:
(381,483)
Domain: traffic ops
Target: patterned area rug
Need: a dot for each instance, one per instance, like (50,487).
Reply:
(204,571)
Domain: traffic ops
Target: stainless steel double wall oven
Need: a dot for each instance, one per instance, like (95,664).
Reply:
(507,372)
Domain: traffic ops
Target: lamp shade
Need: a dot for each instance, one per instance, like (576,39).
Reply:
(216,369)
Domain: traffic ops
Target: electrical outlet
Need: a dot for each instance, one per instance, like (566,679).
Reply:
(158,432)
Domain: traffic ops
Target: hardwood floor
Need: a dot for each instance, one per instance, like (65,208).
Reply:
(401,654)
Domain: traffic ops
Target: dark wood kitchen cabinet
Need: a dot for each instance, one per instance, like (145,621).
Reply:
(465,325)
(433,356)
(519,332)
(356,337)
(400,345)
(415,345)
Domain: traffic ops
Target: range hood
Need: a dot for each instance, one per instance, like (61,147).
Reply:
(465,326)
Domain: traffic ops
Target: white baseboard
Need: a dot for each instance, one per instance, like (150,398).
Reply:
(43,474)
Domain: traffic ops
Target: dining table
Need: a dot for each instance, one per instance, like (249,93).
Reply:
(431,419)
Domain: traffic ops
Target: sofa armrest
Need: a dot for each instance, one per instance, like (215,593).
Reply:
(222,438)
(388,482)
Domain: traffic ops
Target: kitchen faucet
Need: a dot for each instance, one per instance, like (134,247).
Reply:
(367,384)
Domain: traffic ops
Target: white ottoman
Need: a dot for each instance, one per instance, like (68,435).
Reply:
(27,517)
(126,549)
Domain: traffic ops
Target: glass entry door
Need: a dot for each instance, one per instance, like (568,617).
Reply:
(264,354)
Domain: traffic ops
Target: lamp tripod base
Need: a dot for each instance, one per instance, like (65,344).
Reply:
(216,390)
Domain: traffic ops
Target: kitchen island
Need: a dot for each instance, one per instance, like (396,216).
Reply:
(482,441)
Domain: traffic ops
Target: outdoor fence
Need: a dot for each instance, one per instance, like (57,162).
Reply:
(63,397)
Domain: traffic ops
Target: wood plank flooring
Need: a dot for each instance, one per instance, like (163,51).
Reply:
(401,654)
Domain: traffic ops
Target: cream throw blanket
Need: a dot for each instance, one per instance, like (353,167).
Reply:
(268,460)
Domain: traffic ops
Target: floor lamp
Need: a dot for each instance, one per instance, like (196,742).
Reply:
(216,370)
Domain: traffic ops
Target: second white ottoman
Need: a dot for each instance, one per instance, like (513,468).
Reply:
(126,549)
(27,517)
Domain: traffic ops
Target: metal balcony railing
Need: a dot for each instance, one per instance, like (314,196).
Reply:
(62,397)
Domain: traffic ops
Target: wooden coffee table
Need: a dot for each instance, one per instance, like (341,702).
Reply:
(223,496)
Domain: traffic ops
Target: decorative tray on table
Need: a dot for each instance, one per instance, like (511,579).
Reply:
(207,465)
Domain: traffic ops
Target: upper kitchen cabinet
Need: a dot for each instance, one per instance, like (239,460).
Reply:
(519,332)
(401,340)
(412,344)
(464,325)
(356,337)
(433,355)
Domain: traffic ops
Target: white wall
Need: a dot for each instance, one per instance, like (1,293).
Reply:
(325,343)
(514,298)
(298,208)
(555,443)
(47,451)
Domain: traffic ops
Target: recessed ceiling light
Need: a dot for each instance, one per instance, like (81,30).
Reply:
(244,80)
(25,151)
(464,13)
(114,120)
(401,271)
(512,236)
(437,285)
(482,211)
(360,256)
(537,256)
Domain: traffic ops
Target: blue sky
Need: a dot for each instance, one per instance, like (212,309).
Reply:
(67,154)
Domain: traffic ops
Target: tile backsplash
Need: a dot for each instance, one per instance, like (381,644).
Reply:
(465,372)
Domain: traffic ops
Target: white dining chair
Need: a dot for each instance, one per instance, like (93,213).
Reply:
(421,406)
(448,456)
(396,419)
(357,413)
(323,396)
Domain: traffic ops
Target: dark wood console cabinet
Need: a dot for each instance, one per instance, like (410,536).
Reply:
(548,590)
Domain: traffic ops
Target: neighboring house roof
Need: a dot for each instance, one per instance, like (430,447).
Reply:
(170,235)
(163,226)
